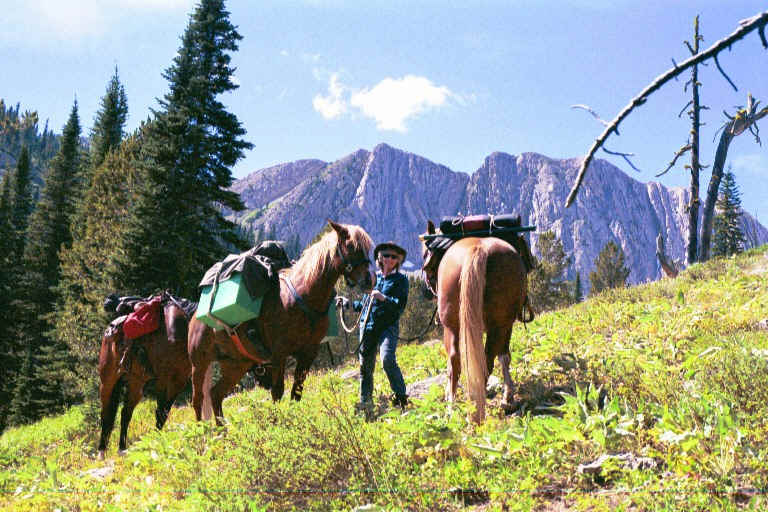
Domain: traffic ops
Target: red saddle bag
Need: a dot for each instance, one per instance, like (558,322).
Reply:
(144,319)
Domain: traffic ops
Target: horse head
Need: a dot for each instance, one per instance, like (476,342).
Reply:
(352,252)
(430,265)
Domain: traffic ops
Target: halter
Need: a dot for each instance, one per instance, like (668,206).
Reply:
(349,265)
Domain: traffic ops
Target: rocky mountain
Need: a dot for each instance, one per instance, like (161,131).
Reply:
(392,193)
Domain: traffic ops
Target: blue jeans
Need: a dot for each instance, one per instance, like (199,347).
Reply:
(387,339)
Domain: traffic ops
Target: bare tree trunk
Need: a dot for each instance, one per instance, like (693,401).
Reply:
(708,220)
(668,266)
(693,207)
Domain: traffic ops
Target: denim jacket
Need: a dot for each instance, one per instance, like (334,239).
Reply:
(387,312)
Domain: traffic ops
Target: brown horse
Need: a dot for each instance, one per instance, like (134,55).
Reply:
(481,286)
(166,362)
(292,322)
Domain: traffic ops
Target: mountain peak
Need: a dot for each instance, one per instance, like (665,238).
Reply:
(392,193)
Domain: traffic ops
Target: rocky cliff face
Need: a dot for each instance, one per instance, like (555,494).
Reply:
(392,194)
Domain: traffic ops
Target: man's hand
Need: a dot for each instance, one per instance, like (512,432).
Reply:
(376,294)
(342,302)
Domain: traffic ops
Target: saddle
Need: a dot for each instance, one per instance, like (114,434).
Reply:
(259,267)
(453,229)
(137,316)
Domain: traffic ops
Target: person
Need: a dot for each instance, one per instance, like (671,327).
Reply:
(386,303)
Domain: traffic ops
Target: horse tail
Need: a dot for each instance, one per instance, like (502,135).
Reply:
(471,326)
(207,411)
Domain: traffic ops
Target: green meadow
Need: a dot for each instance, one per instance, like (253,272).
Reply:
(653,397)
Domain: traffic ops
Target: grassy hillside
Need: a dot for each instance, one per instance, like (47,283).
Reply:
(670,378)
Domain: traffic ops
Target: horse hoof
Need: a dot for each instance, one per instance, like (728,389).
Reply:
(121,453)
(101,455)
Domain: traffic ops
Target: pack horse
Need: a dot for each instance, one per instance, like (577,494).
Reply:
(292,321)
(480,280)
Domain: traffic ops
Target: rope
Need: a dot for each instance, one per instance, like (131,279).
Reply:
(425,331)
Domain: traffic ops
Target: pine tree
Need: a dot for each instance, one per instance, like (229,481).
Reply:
(578,293)
(6,228)
(610,271)
(87,267)
(729,238)
(176,230)
(96,228)
(6,361)
(22,203)
(48,231)
(547,285)
(109,124)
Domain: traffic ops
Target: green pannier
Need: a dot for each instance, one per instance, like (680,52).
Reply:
(232,304)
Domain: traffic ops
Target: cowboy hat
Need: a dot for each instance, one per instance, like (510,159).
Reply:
(391,246)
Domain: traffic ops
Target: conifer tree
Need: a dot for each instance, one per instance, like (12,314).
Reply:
(610,271)
(729,237)
(96,227)
(176,230)
(22,203)
(109,124)
(6,228)
(6,362)
(87,267)
(547,285)
(578,293)
(48,231)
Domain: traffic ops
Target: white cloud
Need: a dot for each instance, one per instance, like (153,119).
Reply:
(73,19)
(332,105)
(391,103)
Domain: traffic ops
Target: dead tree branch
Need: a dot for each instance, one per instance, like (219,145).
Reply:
(748,25)
(680,152)
(594,114)
(720,69)
(625,156)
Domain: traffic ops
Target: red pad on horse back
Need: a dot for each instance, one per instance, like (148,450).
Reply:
(144,320)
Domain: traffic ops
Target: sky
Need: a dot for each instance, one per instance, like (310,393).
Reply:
(452,81)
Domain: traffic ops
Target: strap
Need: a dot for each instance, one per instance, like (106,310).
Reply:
(232,333)
(313,315)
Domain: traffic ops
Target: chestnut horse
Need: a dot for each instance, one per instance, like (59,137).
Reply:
(166,362)
(481,286)
(292,322)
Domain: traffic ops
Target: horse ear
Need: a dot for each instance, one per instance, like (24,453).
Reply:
(339,229)
(430,227)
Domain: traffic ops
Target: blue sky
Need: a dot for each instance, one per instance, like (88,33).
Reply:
(451,81)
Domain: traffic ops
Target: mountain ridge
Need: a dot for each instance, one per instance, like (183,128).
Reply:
(392,193)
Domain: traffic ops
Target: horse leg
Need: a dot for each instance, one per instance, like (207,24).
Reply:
(497,344)
(508,397)
(201,353)
(451,343)
(132,397)
(278,375)
(304,361)
(166,400)
(231,372)
(109,389)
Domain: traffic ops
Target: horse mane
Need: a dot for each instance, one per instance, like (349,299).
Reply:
(318,257)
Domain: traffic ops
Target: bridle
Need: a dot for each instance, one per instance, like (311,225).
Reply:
(425,277)
(350,264)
